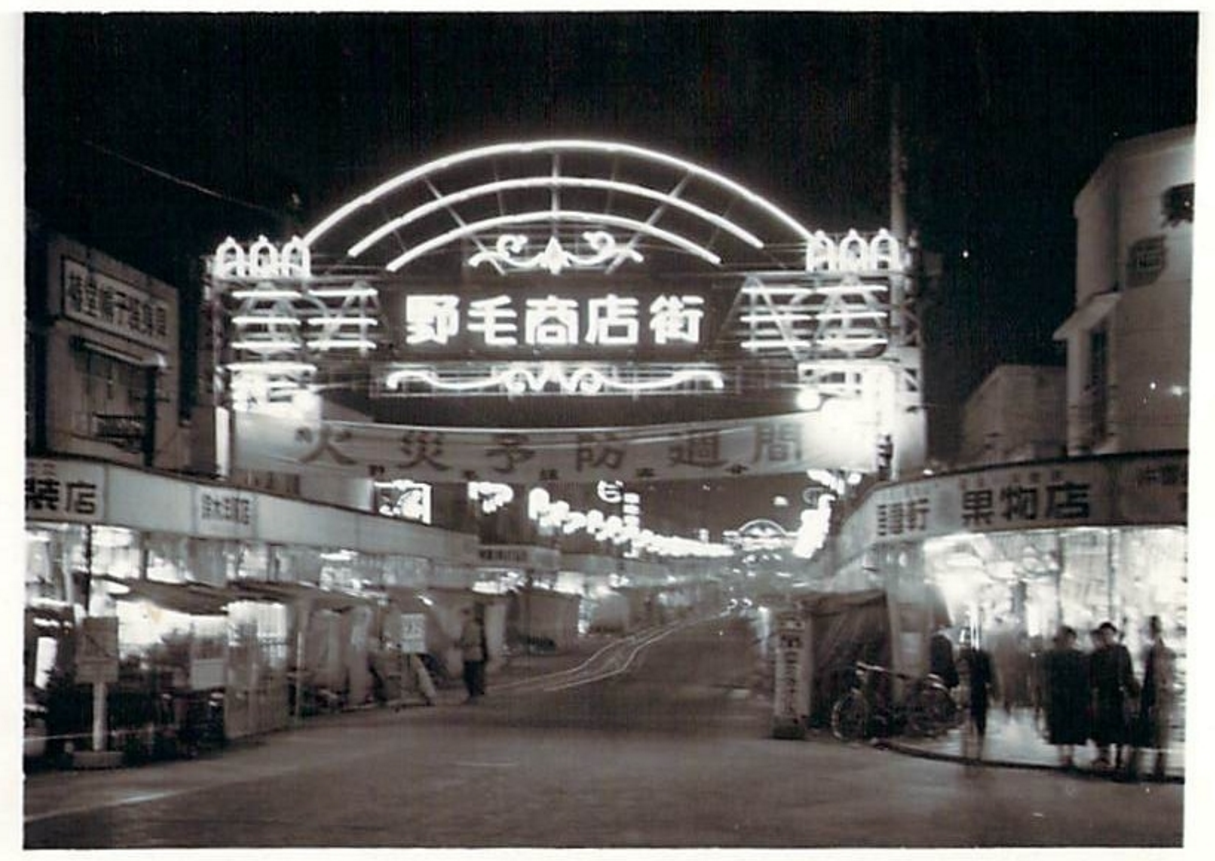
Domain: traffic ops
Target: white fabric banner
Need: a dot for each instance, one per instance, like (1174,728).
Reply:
(762,446)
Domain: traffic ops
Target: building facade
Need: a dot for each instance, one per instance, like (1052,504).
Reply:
(1128,341)
(1023,537)
(1018,413)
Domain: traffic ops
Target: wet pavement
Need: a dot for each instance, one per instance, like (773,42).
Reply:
(656,740)
(1017,740)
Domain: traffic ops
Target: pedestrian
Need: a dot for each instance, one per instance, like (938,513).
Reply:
(981,681)
(1156,700)
(1114,691)
(1066,693)
(473,652)
(941,662)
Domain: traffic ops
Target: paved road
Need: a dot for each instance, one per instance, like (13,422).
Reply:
(670,753)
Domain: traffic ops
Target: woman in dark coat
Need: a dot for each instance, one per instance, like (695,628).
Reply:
(1112,680)
(1066,671)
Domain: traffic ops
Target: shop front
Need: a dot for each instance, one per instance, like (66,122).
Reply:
(210,588)
(1010,553)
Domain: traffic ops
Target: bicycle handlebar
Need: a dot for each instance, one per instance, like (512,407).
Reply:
(878,668)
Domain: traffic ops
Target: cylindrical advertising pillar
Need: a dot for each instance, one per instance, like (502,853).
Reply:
(791,700)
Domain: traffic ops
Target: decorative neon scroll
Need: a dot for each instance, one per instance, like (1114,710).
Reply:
(555,258)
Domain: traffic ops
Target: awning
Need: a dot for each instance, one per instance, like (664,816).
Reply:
(196,599)
(1088,315)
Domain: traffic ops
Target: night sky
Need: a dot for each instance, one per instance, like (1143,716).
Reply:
(154,136)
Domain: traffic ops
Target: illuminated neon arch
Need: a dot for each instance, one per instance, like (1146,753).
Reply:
(704,200)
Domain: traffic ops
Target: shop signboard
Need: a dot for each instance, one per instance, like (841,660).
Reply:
(791,699)
(1153,489)
(1040,495)
(223,513)
(64,490)
(111,305)
(97,651)
(781,444)
(519,556)
(413,633)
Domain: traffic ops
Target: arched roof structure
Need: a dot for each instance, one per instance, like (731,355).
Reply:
(574,192)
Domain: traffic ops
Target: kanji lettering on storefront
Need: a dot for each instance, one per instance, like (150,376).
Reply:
(64,490)
(110,305)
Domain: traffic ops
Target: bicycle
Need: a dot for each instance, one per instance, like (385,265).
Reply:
(868,710)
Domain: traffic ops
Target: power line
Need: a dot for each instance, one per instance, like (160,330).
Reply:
(180,181)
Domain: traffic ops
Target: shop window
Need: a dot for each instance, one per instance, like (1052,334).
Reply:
(1177,205)
(1145,260)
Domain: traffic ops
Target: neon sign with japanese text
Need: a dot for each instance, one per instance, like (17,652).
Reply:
(553,321)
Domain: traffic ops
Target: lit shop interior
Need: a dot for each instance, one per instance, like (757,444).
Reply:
(213,624)
(1012,590)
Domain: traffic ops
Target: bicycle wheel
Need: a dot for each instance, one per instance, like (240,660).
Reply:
(931,711)
(850,717)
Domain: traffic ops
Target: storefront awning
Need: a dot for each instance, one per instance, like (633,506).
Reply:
(196,599)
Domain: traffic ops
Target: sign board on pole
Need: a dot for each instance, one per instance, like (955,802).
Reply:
(413,633)
(97,651)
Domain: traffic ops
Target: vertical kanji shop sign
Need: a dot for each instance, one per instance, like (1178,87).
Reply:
(64,490)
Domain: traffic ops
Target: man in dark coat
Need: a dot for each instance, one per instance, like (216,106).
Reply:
(1113,688)
(1156,703)
(1066,690)
(981,682)
(941,660)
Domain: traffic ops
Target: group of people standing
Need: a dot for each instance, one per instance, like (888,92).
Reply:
(1096,696)
(1087,696)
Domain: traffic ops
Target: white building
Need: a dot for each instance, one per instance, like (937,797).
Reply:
(1128,341)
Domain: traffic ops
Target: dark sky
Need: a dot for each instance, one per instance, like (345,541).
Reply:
(1006,116)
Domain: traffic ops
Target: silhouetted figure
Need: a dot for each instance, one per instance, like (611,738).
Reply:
(473,652)
(1113,686)
(1156,701)
(981,682)
(1066,694)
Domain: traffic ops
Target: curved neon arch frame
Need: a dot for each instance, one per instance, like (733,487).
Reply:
(552,182)
(553,146)
(553,215)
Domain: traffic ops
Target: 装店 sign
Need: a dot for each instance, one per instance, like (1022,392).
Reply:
(223,513)
(64,490)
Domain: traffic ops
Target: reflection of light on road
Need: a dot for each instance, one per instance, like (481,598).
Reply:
(139,798)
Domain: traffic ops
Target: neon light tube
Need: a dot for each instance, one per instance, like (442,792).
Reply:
(265,346)
(343,292)
(341,343)
(851,315)
(271,293)
(553,146)
(552,182)
(343,321)
(271,367)
(553,215)
(253,320)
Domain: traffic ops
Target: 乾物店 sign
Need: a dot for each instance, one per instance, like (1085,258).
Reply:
(761,446)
